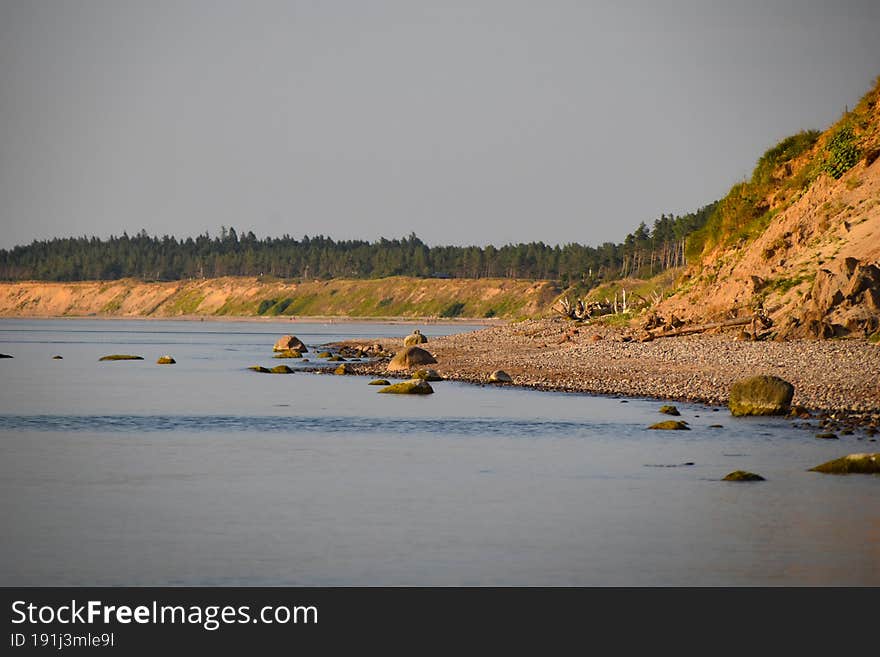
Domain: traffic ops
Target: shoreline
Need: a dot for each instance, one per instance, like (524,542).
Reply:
(835,378)
(310,319)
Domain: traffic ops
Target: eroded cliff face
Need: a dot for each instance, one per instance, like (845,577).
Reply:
(254,297)
(813,270)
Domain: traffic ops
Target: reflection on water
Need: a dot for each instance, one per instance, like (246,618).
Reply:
(203,473)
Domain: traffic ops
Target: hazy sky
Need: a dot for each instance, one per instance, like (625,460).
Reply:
(469,122)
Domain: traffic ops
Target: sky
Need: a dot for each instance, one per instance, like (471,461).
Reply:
(478,122)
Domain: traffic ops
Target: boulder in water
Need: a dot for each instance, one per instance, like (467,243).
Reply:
(742,475)
(411,387)
(669,409)
(344,368)
(281,369)
(288,353)
(851,464)
(289,342)
(121,357)
(379,382)
(259,368)
(671,425)
(165,360)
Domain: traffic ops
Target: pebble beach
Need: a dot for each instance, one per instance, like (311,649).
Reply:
(829,376)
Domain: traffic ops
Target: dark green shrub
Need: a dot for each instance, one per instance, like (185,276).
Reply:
(841,152)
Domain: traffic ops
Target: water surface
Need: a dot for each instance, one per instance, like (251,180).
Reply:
(204,473)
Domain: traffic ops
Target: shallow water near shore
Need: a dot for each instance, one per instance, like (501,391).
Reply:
(204,473)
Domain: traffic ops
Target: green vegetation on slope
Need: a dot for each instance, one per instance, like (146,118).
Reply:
(785,172)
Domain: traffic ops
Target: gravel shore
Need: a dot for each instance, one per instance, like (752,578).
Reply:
(552,354)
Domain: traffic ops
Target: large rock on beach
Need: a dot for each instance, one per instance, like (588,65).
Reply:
(500,376)
(760,395)
(851,464)
(411,387)
(410,357)
(290,342)
(414,338)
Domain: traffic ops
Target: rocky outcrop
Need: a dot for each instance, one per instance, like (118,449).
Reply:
(843,300)
(760,395)
(410,357)
(290,342)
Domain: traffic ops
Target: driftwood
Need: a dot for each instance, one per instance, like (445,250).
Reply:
(755,320)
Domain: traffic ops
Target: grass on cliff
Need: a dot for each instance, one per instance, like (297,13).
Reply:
(785,171)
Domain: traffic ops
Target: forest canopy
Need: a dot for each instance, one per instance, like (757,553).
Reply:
(644,252)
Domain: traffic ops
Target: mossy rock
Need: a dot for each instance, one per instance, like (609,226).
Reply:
(57,357)
(671,425)
(379,382)
(288,353)
(851,464)
(165,360)
(669,409)
(427,375)
(281,369)
(260,368)
(827,436)
(500,376)
(742,475)
(336,359)
(760,395)
(344,368)
(325,354)
(121,357)
(411,387)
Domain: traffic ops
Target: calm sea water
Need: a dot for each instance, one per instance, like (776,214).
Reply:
(204,473)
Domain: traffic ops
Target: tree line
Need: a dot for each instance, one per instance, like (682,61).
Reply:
(643,252)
